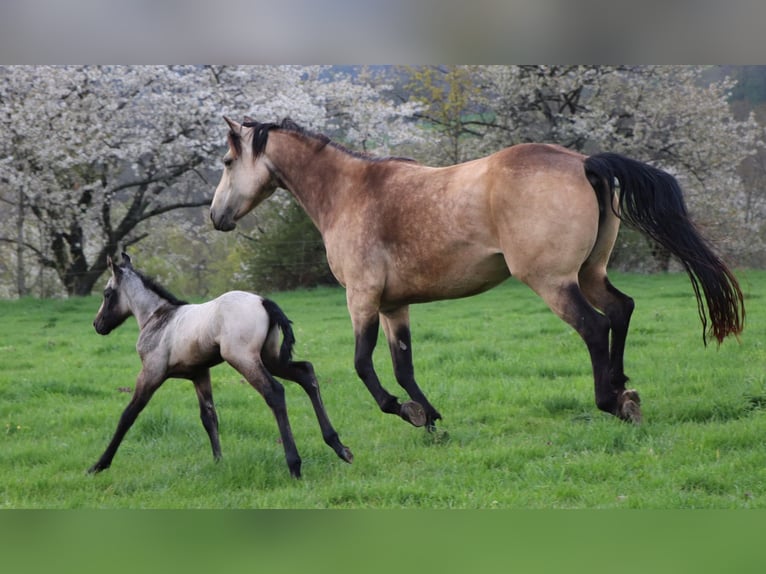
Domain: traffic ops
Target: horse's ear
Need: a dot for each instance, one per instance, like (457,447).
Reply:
(126,259)
(113,268)
(249,120)
(234,126)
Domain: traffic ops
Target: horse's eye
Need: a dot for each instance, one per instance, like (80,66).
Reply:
(227,161)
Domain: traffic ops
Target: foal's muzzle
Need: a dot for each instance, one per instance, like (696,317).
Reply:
(101,328)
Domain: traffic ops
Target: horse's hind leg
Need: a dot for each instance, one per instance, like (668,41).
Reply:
(207,410)
(397,328)
(618,307)
(569,303)
(302,372)
(274,394)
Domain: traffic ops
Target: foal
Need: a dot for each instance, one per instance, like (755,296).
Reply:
(180,340)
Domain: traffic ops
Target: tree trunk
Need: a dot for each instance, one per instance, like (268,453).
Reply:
(661,257)
(21,284)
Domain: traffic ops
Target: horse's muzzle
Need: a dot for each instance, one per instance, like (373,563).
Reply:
(100,326)
(223,222)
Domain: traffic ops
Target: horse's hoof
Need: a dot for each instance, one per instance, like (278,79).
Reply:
(96,468)
(346,454)
(629,407)
(413,413)
(431,422)
(631,394)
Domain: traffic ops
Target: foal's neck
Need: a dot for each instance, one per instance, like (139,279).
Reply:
(144,304)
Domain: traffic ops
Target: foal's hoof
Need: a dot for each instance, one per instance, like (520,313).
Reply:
(629,406)
(413,413)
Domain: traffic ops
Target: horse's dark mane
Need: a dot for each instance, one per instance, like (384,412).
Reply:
(151,284)
(261,136)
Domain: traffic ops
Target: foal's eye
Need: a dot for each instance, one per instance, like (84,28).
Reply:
(227,161)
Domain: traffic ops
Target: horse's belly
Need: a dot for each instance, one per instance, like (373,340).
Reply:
(445,279)
(195,358)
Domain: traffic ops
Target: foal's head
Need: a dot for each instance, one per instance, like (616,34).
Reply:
(115,308)
(248,175)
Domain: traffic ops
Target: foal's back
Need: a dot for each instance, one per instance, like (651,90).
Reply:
(234,324)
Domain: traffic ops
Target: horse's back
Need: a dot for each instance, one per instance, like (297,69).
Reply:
(544,153)
(241,310)
(235,319)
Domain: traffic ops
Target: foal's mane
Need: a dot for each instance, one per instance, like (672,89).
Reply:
(152,285)
(261,136)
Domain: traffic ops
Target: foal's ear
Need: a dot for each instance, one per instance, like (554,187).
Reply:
(126,259)
(113,268)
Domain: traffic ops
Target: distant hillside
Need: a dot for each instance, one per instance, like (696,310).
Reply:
(751,82)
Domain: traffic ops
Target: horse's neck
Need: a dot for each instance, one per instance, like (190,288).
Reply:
(144,303)
(315,175)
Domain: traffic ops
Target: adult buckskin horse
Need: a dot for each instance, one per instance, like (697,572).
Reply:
(397,232)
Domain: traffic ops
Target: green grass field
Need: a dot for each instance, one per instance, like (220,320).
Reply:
(512,381)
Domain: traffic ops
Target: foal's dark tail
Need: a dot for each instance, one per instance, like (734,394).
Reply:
(278,318)
(651,201)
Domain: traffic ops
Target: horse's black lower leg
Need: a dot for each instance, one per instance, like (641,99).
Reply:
(366,340)
(302,372)
(400,345)
(274,394)
(594,327)
(207,411)
(618,310)
(140,399)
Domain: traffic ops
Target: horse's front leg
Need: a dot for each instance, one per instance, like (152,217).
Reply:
(366,326)
(207,410)
(396,325)
(146,384)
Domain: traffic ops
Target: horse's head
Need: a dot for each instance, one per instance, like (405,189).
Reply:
(115,308)
(248,174)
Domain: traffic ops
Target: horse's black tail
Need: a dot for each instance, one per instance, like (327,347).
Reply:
(651,201)
(278,318)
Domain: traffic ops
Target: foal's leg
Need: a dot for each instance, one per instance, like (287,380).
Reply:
(568,302)
(366,326)
(207,410)
(274,394)
(302,372)
(146,384)
(396,325)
